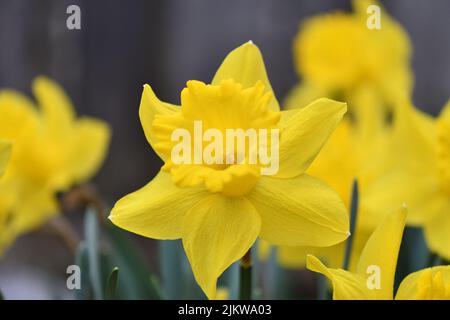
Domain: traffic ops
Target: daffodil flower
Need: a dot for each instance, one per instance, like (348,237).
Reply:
(372,79)
(220,210)
(419,174)
(5,154)
(337,55)
(52,151)
(374,277)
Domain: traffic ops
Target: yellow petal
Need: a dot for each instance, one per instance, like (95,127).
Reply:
(304,134)
(90,146)
(303,94)
(401,185)
(5,154)
(295,257)
(302,211)
(37,207)
(264,249)
(57,109)
(18,116)
(346,285)
(245,65)
(222,294)
(426,284)
(150,107)
(217,232)
(437,232)
(156,210)
(381,250)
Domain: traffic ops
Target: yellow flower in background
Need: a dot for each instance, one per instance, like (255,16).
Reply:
(220,210)
(222,294)
(295,257)
(418,174)
(336,55)
(374,277)
(353,151)
(427,284)
(52,151)
(5,154)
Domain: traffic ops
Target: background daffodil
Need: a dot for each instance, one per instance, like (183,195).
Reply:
(347,155)
(5,154)
(380,253)
(52,151)
(418,171)
(337,56)
(220,211)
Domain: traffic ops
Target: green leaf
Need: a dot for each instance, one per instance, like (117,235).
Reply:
(136,281)
(111,284)
(81,260)
(172,273)
(91,236)
(354,204)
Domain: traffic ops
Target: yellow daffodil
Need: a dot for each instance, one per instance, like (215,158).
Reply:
(52,150)
(336,55)
(5,154)
(419,174)
(220,210)
(374,277)
(427,284)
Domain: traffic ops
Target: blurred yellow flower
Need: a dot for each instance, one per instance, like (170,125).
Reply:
(336,55)
(374,277)
(418,174)
(5,154)
(52,151)
(220,210)
(222,293)
(427,284)
(353,151)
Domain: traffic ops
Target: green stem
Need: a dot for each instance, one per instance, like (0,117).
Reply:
(353,214)
(435,260)
(245,292)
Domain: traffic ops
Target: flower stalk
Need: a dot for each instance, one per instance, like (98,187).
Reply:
(245,291)
(353,214)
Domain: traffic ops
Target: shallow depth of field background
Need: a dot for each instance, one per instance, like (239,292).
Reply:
(124,44)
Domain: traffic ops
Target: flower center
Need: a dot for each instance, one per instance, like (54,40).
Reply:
(443,132)
(223,136)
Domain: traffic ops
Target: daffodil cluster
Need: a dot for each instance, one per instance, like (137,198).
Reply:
(397,153)
(48,149)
